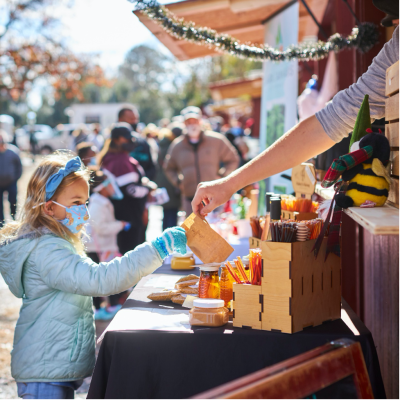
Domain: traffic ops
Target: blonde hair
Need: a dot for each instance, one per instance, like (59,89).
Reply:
(33,219)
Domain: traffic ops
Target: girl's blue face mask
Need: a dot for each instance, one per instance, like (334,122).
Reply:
(77,217)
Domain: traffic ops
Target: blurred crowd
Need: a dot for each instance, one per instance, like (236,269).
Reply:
(134,166)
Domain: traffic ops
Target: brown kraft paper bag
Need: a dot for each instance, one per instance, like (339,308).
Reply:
(207,244)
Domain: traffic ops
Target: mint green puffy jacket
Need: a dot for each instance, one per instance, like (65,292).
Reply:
(55,334)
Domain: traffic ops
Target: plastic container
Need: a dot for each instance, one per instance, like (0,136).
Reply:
(208,312)
(209,281)
(185,261)
(226,287)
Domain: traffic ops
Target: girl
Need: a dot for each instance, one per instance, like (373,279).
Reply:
(42,260)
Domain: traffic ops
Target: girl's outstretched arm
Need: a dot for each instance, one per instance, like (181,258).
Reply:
(62,269)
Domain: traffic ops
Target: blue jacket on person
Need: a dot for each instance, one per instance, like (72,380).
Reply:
(55,334)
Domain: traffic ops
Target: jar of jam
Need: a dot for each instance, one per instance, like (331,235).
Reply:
(209,281)
(208,312)
(185,261)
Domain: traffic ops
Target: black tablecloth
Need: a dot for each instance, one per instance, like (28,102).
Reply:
(160,364)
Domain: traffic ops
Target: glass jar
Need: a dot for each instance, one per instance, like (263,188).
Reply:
(208,312)
(209,281)
(185,261)
(226,287)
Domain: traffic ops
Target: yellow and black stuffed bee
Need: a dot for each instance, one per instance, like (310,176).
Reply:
(368,182)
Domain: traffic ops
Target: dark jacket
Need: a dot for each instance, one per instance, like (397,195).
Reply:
(10,167)
(142,154)
(161,179)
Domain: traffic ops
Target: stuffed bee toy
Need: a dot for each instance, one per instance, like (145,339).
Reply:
(364,170)
(369,182)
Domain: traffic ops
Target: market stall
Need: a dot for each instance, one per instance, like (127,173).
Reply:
(151,351)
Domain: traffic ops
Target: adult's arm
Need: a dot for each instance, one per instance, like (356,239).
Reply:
(171,168)
(339,116)
(305,140)
(311,136)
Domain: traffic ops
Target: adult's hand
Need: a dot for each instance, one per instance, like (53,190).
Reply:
(304,141)
(212,194)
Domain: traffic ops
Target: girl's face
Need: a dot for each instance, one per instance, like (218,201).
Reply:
(73,195)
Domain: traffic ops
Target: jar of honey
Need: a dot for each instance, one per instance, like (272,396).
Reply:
(208,312)
(185,261)
(209,281)
(226,287)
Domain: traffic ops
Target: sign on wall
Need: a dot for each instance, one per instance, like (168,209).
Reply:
(280,90)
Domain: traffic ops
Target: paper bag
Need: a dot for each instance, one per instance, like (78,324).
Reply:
(204,241)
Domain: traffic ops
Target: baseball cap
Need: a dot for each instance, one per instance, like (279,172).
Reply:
(121,130)
(191,112)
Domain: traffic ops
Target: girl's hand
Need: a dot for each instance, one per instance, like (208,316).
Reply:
(172,240)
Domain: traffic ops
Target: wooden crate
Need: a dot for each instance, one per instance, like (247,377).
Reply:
(297,290)
(298,216)
(392,130)
(392,80)
(246,306)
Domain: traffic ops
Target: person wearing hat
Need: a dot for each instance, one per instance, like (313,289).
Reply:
(130,177)
(197,156)
(315,134)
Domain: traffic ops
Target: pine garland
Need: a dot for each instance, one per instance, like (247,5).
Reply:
(362,38)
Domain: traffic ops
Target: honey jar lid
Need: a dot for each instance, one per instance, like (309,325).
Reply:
(209,267)
(178,255)
(208,303)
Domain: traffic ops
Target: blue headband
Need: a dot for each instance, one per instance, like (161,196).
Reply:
(54,181)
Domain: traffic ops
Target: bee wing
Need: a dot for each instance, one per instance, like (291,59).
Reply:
(380,169)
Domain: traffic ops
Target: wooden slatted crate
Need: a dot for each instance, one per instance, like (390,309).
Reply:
(392,129)
(297,290)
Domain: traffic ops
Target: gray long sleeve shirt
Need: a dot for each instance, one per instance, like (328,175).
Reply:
(339,115)
(10,167)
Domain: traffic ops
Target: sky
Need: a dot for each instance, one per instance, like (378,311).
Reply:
(105,28)
(108,28)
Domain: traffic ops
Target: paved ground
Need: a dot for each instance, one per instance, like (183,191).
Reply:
(10,305)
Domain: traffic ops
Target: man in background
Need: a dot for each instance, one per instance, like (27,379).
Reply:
(197,156)
(10,172)
(141,152)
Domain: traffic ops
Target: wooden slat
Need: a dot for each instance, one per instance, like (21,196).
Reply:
(392,108)
(394,160)
(392,133)
(392,79)
(378,220)
(247,306)
(316,286)
(275,280)
(393,198)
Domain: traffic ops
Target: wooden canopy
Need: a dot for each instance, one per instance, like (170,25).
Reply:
(242,19)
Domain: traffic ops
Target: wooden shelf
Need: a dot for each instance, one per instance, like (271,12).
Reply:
(378,220)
